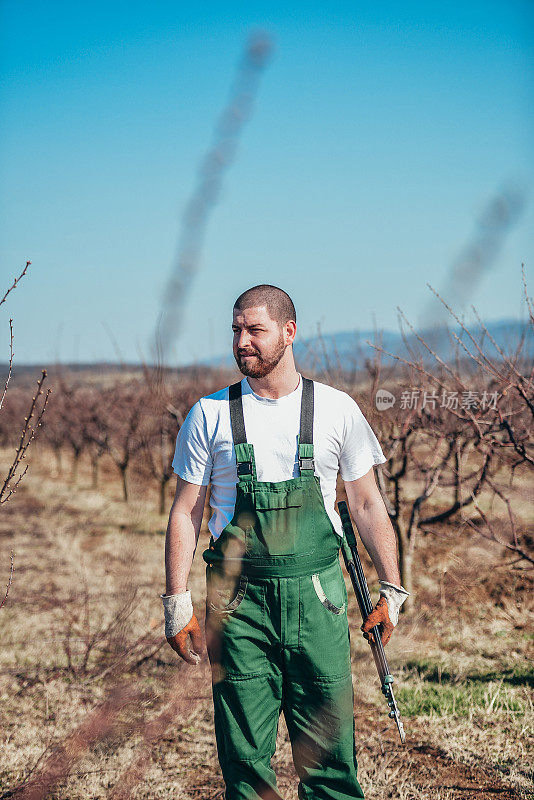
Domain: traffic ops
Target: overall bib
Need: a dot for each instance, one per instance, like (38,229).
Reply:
(277,630)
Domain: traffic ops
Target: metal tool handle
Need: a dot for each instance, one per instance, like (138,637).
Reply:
(354,568)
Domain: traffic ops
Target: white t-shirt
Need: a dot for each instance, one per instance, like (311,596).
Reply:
(343,441)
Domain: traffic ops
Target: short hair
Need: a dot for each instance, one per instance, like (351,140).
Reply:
(278,303)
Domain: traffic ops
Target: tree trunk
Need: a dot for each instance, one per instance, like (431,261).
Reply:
(124,476)
(407,580)
(162,486)
(406,566)
(95,462)
(74,473)
(59,463)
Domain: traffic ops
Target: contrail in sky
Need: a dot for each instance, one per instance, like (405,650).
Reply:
(478,256)
(206,193)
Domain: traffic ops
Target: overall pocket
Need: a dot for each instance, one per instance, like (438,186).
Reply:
(324,641)
(330,589)
(275,532)
(224,595)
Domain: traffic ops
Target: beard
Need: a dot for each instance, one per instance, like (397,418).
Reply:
(261,364)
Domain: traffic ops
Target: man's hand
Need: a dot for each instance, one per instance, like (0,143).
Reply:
(386,611)
(180,623)
(183,529)
(374,526)
(180,642)
(378,616)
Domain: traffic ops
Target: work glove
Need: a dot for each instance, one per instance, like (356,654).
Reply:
(386,612)
(180,624)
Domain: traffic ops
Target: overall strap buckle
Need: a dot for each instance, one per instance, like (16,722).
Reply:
(305,462)
(244,451)
(306,459)
(244,468)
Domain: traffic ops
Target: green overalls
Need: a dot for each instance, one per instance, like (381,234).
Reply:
(277,630)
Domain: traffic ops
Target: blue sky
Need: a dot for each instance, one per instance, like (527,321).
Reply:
(379,134)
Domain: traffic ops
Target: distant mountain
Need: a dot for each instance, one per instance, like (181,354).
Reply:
(350,349)
(347,349)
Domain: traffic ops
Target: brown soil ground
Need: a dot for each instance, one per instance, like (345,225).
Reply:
(83,617)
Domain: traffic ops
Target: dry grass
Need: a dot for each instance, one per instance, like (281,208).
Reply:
(83,623)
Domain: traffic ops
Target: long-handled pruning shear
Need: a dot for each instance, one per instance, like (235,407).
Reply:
(355,570)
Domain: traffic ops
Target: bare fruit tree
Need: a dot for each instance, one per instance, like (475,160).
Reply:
(467,443)
(32,421)
(159,435)
(125,404)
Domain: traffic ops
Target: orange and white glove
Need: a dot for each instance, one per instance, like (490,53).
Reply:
(386,612)
(180,623)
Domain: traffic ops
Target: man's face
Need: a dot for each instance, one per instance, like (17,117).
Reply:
(259,341)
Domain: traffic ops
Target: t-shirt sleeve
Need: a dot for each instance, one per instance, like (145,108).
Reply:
(192,457)
(360,449)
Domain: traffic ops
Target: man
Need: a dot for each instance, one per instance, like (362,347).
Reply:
(276,623)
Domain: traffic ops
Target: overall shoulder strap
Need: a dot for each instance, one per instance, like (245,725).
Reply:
(306,462)
(244,452)
(237,419)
